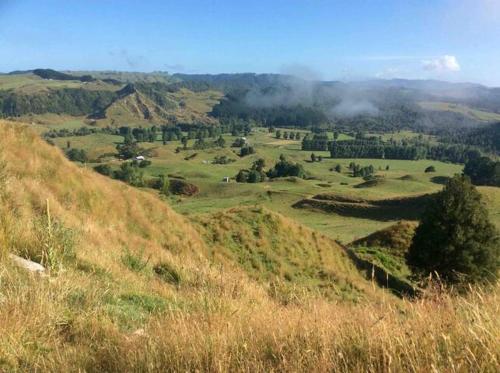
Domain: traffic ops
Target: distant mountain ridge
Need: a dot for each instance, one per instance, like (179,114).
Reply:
(122,98)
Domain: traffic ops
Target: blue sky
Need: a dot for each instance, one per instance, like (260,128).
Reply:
(457,40)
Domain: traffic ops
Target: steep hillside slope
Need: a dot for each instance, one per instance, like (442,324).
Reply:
(275,249)
(133,105)
(111,219)
(133,286)
(111,102)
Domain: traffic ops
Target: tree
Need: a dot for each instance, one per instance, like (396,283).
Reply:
(220,142)
(254,176)
(129,149)
(430,169)
(242,176)
(285,168)
(77,155)
(313,157)
(184,141)
(259,165)
(278,134)
(246,150)
(455,237)
(104,169)
(338,168)
(483,171)
(130,173)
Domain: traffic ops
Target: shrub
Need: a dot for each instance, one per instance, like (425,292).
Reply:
(167,273)
(104,169)
(430,169)
(162,184)
(182,187)
(242,176)
(52,245)
(130,173)
(77,155)
(247,150)
(144,163)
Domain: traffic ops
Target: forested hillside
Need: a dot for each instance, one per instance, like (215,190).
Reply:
(263,99)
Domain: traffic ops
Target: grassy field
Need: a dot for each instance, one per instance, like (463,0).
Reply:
(402,179)
(135,286)
(30,83)
(476,114)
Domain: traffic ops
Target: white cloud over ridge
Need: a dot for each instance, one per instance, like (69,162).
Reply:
(445,63)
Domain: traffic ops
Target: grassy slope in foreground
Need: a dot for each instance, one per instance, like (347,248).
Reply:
(108,310)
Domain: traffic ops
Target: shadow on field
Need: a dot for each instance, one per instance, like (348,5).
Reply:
(408,208)
(441,180)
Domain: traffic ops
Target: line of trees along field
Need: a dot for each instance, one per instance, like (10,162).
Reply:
(377,149)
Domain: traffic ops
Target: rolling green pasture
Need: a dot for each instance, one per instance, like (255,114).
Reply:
(402,179)
(30,83)
(476,114)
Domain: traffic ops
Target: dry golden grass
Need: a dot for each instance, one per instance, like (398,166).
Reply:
(107,310)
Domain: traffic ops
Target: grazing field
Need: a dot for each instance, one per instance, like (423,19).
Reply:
(481,115)
(30,83)
(396,179)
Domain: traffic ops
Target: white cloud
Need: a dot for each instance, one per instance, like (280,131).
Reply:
(442,64)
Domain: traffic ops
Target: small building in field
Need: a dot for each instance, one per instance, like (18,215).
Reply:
(140,158)
(226,179)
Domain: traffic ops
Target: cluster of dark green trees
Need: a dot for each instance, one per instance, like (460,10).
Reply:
(483,171)
(455,238)
(77,155)
(223,159)
(358,171)
(316,158)
(203,144)
(71,101)
(374,147)
(247,150)
(235,106)
(485,137)
(82,131)
(282,168)
(287,135)
(129,148)
(317,142)
(174,133)
(377,150)
(129,172)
